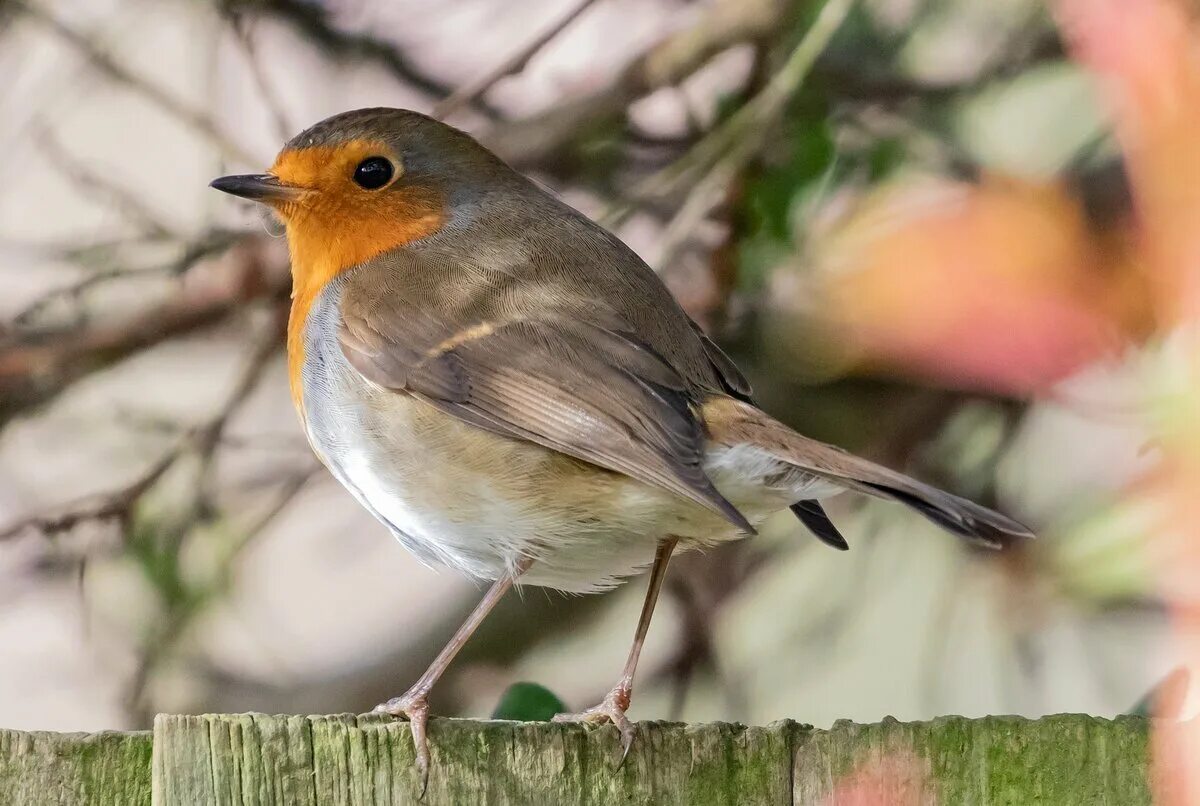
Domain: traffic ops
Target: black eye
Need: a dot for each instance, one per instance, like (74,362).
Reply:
(373,173)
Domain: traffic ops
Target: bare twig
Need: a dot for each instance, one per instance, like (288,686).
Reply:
(37,367)
(103,189)
(724,24)
(315,23)
(117,505)
(717,156)
(102,262)
(269,344)
(202,441)
(183,610)
(77,289)
(292,486)
(245,38)
(210,436)
(474,90)
(194,117)
(705,197)
(701,586)
(96,251)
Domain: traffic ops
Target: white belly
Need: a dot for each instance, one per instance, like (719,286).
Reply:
(457,495)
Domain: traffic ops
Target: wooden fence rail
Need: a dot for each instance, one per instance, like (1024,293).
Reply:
(344,759)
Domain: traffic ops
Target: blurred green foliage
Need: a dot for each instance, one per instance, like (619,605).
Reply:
(528,702)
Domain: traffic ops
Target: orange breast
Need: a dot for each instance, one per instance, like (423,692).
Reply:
(333,229)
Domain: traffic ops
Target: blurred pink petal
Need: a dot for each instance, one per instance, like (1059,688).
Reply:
(1144,54)
(897,779)
(991,286)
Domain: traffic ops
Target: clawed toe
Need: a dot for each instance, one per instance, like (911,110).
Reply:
(415,709)
(610,710)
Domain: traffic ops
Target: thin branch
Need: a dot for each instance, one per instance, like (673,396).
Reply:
(314,22)
(708,194)
(194,117)
(116,505)
(210,437)
(719,155)
(242,33)
(268,346)
(102,188)
(77,289)
(34,368)
(202,441)
(473,91)
(292,486)
(99,250)
(717,158)
(101,260)
(184,611)
(725,23)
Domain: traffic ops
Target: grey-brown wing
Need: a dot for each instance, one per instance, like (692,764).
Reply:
(732,379)
(582,387)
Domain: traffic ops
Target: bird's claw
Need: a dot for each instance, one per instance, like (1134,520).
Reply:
(612,710)
(414,707)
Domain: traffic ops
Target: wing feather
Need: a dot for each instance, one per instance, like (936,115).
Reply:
(581,385)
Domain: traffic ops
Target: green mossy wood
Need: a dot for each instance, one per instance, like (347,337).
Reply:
(256,759)
(96,769)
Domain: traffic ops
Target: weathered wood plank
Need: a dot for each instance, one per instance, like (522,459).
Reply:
(255,759)
(348,760)
(71,769)
(1000,761)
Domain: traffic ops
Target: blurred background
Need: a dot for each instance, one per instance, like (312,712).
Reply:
(953,235)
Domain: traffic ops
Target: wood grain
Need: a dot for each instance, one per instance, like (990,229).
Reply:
(347,760)
(256,759)
(64,769)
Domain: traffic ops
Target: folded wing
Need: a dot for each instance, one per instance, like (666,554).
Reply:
(579,385)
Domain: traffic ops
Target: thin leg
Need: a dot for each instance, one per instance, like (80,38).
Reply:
(616,702)
(414,704)
(657,574)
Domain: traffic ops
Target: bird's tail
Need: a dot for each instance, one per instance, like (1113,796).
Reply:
(733,422)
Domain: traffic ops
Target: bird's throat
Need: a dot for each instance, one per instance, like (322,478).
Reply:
(325,242)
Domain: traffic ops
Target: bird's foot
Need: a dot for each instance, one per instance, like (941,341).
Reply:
(414,707)
(611,709)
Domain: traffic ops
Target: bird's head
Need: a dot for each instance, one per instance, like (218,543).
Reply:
(362,183)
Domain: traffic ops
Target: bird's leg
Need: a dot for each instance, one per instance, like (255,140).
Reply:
(612,708)
(414,704)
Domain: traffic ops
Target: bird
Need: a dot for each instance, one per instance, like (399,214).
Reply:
(514,393)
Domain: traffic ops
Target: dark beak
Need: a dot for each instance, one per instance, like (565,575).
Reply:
(256,187)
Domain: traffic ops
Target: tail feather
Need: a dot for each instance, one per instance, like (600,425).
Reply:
(732,422)
(813,516)
(954,514)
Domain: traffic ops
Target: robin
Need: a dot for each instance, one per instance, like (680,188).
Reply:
(514,393)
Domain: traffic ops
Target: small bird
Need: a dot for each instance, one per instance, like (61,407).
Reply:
(514,393)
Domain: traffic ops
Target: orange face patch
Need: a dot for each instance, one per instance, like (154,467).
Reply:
(336,225)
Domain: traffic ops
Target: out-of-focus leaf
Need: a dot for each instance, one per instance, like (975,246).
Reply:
(886,155)
(528,702)
(783,197)
(1000,286)
(771,194)
(1033,125)
(956,41)
(1106,557)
